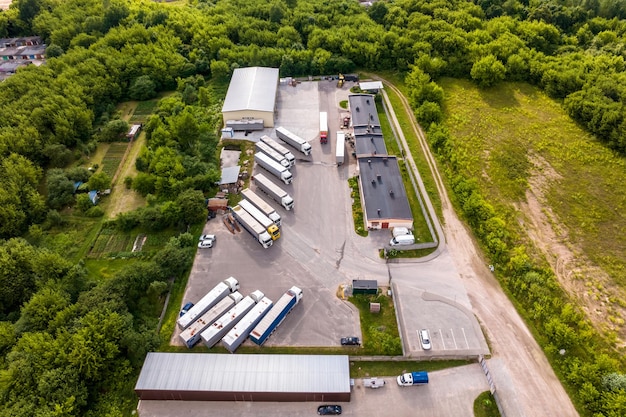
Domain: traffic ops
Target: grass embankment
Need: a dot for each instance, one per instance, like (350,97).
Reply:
(485,406)
(357,210)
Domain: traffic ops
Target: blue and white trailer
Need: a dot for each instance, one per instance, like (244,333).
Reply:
(221,326)
(191,335)
(276,315)
(238,334)
(413,378)
(219,292)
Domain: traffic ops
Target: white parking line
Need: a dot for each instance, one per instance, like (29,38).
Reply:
(442,340)
(465,337)
(454,339)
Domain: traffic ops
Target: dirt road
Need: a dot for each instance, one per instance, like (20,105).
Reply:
(525,382)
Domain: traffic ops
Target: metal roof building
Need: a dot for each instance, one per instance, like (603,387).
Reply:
(251,95)
(382,193)
(215,377)
(368,135)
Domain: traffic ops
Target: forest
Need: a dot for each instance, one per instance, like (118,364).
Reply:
(72,341)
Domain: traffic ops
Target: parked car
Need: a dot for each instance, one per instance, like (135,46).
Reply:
(206,241)
(425,339)
(329,410)
(185,309)
(346,341)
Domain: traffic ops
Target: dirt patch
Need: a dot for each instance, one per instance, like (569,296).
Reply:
(585,282)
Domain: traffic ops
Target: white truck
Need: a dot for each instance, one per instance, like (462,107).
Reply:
(191,335)
(272,153)
(218,292)
(293,140)
(259,203)
(273,167)
(221,326)
(260,217)
(238,334)
(253,227)
(276,315)
(280,148)
(340,152)
(274,191)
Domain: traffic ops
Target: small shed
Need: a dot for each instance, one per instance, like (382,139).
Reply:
(364,286)
(133,132)
(94,197)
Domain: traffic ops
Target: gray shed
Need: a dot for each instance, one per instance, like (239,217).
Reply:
(364,286)
(226,377)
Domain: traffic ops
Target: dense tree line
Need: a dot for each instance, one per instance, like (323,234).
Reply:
(103,52)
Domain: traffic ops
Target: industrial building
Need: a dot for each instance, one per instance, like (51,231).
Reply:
(215,377)
(383,196)
(251,98)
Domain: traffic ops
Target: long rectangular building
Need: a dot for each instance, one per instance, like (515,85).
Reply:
(215,377)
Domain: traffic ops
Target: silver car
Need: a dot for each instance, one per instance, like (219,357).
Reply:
(425,339)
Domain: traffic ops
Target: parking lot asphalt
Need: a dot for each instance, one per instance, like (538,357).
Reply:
(319,252)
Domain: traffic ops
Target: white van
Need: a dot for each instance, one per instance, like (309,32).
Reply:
(399,231)
(403,240)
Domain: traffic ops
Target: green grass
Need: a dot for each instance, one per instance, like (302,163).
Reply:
(113,157)
(364,369)
(485,406)
(380,330)
(518,130)
(357,210)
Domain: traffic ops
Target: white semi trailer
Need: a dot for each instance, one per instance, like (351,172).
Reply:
(252,226)
(238,334)
(191,335)
(272,153)
(221,326)
(280,148)
(274,191)
(220,291)
(293,140)
(273,167)
(260,217)
(259,203)
(340,149)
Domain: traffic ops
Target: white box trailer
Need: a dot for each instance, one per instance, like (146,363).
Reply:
(272,153)
(280,148)
(273,167)
(293,140)
(238,334)
(252,226)
(260,217)
(274,191)
(191,335)
(221,326)
(341,146)
(218,292)
(259,203)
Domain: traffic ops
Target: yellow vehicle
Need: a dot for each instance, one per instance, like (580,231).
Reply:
(265,221)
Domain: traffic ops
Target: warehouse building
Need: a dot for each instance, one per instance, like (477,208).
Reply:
(251,98)
(215,377)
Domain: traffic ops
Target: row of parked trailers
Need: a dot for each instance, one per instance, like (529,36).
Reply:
(224,314)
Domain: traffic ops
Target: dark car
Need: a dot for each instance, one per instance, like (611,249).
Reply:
(347,341)
(329,410)
(185,309)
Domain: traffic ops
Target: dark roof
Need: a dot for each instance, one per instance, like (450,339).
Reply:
(365,283)
(363,109)
(366,145)
(382,187)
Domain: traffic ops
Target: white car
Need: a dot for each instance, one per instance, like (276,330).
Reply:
(206,241)
(425,339)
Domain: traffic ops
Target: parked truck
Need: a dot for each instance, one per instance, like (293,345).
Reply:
(276,315)
(274,191)
(260,217)
(272,153)
(341,146)
(273,167)
(221,326)
(293,140)
(218,292)
(191,335)
(323,127)
(413,378)
(238,334)
(253,227)
(259,203)
(280,148)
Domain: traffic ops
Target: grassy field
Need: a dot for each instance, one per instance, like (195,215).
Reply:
(142,111)
(380,330)
(514,136)
(113,157)
(485,406)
